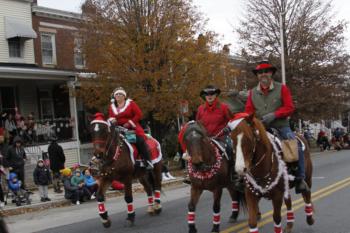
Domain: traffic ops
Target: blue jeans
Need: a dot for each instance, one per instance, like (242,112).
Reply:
(287,133)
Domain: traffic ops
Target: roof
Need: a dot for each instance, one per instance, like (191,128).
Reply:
(54,13)
(34,73)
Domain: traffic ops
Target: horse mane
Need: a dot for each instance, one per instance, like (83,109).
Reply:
(262,131)
(197,127)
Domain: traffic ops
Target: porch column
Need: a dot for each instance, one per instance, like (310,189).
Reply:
(73,113)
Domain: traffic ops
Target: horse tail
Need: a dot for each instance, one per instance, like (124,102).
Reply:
(242,202)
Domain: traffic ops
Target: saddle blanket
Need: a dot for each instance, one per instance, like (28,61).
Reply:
(153,147)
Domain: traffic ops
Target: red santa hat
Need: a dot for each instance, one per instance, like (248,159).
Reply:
(99,117)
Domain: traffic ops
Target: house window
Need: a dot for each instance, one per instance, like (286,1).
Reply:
(7,99)
(48,49)
(78,55)
(15,47)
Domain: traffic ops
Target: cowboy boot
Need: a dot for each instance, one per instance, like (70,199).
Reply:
(143,149)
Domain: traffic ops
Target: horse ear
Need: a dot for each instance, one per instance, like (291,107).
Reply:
(250,118)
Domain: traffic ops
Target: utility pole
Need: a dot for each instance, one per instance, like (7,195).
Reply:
(283,67)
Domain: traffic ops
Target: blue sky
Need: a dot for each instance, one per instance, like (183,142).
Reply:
(223,15)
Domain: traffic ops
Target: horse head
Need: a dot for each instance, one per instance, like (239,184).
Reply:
(250,138)
(103,136)
(199,146)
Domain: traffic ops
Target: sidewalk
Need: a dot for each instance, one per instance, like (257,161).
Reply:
(58,200)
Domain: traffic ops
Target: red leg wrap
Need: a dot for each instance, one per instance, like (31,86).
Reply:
(191,217)
(101,207)
(290,216)
(235,206)
(216,218)
(308,209)
(130,208)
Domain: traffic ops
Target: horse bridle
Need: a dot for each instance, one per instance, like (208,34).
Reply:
(108,142)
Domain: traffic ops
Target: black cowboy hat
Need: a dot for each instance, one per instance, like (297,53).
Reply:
(210,90)
(264,65)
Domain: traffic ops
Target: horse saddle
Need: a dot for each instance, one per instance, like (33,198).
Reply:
(152,144)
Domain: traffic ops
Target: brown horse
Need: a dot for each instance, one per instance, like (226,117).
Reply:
(115,163)
(208,170)
(265,173)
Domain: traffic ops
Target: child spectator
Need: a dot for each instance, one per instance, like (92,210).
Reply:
(77,180)
(42,179)
(70,191)
(90,183)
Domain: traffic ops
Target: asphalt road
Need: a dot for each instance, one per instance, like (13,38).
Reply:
(331,194)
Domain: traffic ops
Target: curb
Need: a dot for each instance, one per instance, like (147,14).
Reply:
(18,210)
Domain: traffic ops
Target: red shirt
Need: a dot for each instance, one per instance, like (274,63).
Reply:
(213,117)
(129,114)
(285,110)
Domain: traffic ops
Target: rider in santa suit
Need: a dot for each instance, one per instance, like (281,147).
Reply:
(125,112)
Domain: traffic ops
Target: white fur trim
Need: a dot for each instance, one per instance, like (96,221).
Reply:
(99,121)
(119,92)
(132,123)
(233,124)
(116,111)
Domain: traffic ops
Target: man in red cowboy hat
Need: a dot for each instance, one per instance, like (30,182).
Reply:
(125,112)
(272,102)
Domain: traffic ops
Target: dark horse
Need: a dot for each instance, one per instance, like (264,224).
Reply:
(3,226)
(115,163)
(265,173)
(208,170)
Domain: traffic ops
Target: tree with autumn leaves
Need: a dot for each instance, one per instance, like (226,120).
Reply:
(157,50)
(317,64)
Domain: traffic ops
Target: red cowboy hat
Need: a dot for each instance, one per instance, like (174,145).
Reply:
(265,65)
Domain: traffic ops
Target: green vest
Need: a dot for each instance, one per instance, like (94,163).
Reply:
(265,104)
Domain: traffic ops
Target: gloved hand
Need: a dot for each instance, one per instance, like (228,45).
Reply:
(267,119)
(127,125)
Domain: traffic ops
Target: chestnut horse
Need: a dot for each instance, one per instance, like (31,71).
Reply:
(209,170)
(265,173)
(115,163)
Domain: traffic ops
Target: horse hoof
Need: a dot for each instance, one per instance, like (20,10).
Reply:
(287,230)
(310,220)
(129,223)
(192,231)
(150,210)
(157,208)
(157,211)
(233,217)
(107,223)
(232,220)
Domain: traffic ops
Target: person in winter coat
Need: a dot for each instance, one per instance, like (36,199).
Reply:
(70,192)
(42,178)
(15,159)
(90,183)
(272,103)
(77,180)
(125,112)
(57,160)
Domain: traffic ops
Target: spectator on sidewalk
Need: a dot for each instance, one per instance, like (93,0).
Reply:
(57,160)
(10,126)
(70,192)
(15,159)
(77,180)
(42,179)
(166,174)
(2,169)
(90,183)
